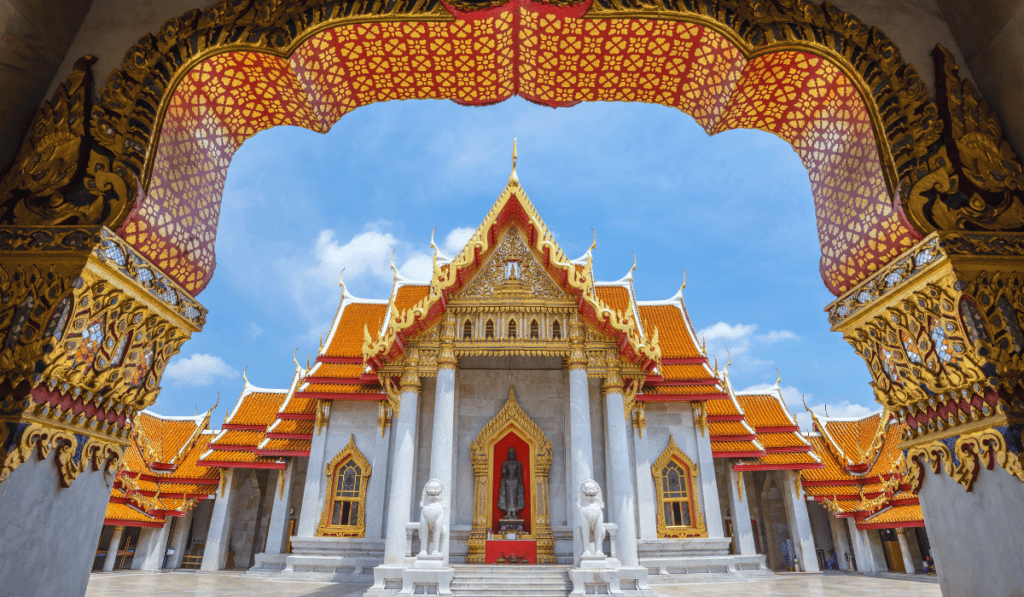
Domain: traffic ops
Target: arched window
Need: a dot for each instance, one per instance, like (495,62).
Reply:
(489,330)
(512,329)
(467,330)
(534,330)
(556,331)
(675,479)
(345,502)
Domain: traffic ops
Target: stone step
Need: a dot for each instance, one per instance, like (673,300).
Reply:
(510,581)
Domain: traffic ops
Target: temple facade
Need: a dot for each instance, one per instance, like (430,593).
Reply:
(508,381)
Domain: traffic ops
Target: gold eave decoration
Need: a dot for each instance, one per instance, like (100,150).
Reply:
(513,208)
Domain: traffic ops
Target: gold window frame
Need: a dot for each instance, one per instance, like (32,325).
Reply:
(325,528)
(697,529)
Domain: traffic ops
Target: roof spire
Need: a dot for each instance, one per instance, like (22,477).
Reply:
(513,179)
(684,279)
(778,382)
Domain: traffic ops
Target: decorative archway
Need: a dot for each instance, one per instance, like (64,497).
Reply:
(511,420)
(151,157)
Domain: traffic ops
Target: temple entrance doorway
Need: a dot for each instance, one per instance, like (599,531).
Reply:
(511,521)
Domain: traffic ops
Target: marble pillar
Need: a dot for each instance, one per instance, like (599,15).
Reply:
(151,558)
(443,441)
(799,522)
(374,517)
(400,504)
(908,560)
(841,541)
(621,508)
(313,494)
(217,538)
(179,539)
(143,547)
(709,485)
(862,551)
(112,549)
(742,532)
(280,511)
(646,500)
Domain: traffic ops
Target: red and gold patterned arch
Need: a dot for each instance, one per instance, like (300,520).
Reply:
(182,103)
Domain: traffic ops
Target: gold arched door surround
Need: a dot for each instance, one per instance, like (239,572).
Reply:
(511,417)
(675,480)
(150,157)
(348,474)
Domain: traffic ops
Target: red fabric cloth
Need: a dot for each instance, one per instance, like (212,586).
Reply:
(498,549)
(511,440)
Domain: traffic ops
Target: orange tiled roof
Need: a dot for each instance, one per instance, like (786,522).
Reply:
(790,459)
(721,408)
(617,297)
(407,296)
(292,426)
(736,447)
(191,469)
(347,340)
(330,388)
(896,516)
(673,335)
(765,411)
(235,456)
(726,428)
(120,513)
(337,370)
(161,439)
(191,488)
(232,437)
(257,407)
(680,372)
(682,390)
(289,445)
(783,440)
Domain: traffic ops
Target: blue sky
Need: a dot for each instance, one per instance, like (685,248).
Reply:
(733,210)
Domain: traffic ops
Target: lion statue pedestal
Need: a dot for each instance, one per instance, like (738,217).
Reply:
(430,573)
(596,571)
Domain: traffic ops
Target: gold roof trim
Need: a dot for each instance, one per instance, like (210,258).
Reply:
(449,279)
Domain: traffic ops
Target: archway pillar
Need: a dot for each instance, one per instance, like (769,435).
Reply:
(940,329)
(87,326)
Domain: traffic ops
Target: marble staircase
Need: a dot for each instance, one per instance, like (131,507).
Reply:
(510,581)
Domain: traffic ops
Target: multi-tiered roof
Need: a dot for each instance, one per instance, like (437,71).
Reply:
(161,475)
(863,473)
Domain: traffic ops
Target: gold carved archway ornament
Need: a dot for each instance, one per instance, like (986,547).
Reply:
(324,528)
(511,418)
(698,529)
(308,62)
(88,326)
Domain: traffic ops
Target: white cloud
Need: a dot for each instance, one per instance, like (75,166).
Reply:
(456,241)
(738,340)
(254,330)
(795,399)
(419,267)
(775,336)
(198,370)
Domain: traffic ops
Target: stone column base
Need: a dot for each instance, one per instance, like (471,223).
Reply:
(611,581)
(428,577)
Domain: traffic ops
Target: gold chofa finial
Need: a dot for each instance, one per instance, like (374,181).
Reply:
(514,178)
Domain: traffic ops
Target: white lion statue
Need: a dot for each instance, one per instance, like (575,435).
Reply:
(591,505)
(432,531)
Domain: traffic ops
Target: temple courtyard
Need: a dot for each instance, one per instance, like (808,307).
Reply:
(231,584)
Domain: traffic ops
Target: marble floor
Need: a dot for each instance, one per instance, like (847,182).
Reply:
(232,584)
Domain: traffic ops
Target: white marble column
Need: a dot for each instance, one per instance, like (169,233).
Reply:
(142,547)
(443,439)
(313,494)
(708,484)
(908,561)
(216,552)
(840,540)
(646,500)
(742,532)
(280,512)
(179,539)
(378,482)
(862,551)
(153,558)
(799,522)
(621,509)
(112,549)
(402,474)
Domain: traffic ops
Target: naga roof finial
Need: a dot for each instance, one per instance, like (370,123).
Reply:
(684,279)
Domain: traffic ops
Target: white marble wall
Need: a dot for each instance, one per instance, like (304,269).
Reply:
(48,534)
